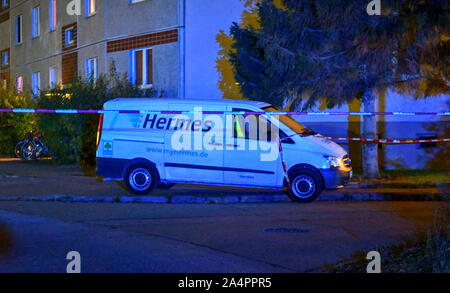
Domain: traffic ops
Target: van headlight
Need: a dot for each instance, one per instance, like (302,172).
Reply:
(335,162)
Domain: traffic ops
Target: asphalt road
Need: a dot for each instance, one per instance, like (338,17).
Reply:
(241,238)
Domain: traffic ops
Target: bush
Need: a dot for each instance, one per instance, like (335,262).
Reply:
(14,127)
(72,138)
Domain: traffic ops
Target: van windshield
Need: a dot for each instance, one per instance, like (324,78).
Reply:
(290,122)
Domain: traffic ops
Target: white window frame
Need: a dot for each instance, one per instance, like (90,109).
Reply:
(52,15)
(52,77)
(18,37)
(145,84)
(88,6)
(4,62)
(36,83)
(19,83)
(92,68)
(66,34)
(36,21)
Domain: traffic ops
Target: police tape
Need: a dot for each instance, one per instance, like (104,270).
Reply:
(382,141)
(390,141)
(284,164)
(368,140)
(165,112)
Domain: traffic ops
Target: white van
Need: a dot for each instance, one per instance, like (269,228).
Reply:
(150,144)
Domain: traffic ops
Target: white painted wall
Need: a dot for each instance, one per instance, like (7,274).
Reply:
(204,20)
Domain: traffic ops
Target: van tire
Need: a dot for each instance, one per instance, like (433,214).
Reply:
(140,179)
(306,186)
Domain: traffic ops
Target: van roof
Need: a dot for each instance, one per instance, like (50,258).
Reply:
(139,102)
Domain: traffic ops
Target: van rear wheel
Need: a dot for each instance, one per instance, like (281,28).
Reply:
(140,179)
(306,186)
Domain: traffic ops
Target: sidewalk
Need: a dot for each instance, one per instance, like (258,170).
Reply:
(43,181)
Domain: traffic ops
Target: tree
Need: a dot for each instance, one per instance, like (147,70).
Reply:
(308,50)
(14,127)
(227,82)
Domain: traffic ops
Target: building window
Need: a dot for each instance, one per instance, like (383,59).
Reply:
(52,15)
(91,69)
(19,84)
(5,3)
(142,67)
(69,37)
(52,77)
(90,8)
(35,22)
(5,59)
(36,83)
(18,29)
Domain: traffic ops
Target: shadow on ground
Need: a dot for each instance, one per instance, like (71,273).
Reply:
(5,240)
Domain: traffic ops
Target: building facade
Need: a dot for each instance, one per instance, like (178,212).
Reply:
(168,45)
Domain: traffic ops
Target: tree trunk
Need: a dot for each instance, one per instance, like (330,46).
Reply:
(370,150)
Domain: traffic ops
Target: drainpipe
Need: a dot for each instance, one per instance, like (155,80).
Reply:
(106,36)
(182,49)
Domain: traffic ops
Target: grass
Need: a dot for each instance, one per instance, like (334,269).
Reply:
(408,178)
(427,252)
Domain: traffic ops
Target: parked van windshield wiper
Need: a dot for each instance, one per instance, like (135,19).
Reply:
(308,132)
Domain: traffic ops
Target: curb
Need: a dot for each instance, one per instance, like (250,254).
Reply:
(224,199)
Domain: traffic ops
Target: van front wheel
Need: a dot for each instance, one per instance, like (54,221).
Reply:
(140,179)
(306,186)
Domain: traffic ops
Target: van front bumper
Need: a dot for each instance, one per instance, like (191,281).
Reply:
(336,178)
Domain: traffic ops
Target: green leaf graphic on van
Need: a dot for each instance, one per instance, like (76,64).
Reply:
(107,146)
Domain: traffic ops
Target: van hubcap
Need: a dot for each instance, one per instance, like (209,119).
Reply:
(303,186)
(140,179)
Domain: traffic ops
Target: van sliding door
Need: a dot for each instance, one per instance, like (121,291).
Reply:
(193,145)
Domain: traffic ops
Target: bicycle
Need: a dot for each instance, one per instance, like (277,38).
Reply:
(31,148)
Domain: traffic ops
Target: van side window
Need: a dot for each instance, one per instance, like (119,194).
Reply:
(238,126)
(248,127)
(241,127)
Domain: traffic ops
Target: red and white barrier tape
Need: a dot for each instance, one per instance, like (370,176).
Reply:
(284,165)
(383,141)
(390,141)
(72,111)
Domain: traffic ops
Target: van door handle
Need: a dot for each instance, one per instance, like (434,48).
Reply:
(215,144)
(233,145)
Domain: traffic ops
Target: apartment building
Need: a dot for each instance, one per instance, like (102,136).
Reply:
(169,45)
